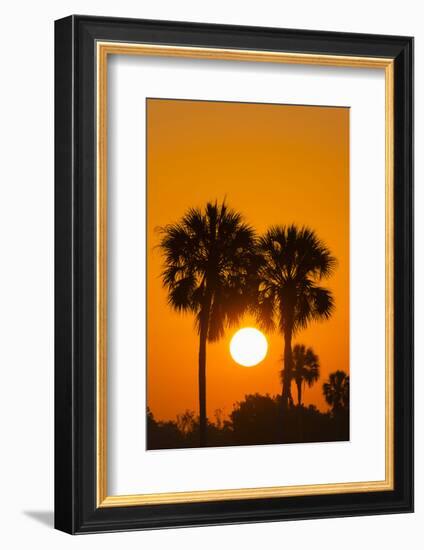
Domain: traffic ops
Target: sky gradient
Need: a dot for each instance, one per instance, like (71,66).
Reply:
(276,164)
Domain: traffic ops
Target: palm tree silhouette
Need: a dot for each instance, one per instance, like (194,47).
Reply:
(336,391)
(209,264)
(294,262)
(305,369)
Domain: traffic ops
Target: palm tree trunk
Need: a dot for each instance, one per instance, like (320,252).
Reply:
(202,385)
(299,392)
(288,363)
(203,336)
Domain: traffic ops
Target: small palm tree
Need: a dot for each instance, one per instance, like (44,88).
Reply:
(336,391)
(290,297)
(209,265)
(306,369)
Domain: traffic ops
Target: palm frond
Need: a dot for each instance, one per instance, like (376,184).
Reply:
(210,265)
(314,303)
(294,260)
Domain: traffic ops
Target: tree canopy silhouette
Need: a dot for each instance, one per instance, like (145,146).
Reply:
(336,391)
(253,420)
(290,297)
(209,264)
(306,369)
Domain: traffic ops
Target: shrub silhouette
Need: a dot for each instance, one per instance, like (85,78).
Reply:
(255,420)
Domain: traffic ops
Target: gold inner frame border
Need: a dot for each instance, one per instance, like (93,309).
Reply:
(103,50)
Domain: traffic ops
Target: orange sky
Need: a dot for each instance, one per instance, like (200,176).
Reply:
(277,164)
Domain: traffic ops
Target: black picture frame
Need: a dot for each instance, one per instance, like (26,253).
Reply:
(76,510)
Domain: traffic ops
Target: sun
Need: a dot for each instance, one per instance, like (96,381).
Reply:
(248,347)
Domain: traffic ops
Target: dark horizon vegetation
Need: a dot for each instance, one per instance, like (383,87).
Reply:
(256,421)
(217,268)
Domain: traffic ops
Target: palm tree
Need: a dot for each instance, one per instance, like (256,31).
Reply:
(305,369)
(209,264)
(294,262)
(336,391)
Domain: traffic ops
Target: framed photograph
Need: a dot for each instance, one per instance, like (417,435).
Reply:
(234,274)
